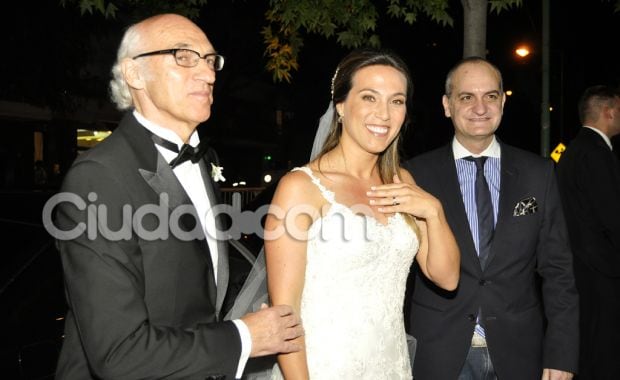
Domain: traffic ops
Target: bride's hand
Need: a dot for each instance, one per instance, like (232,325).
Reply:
(404,197)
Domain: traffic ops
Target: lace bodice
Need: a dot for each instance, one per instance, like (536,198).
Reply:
(352,301)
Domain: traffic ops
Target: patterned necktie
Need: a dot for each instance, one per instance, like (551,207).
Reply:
(186,153)
(486,225)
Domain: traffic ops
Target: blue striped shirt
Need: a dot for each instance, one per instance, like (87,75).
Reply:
(466,172)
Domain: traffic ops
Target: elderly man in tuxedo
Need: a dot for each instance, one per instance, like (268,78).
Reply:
(589,177)
(514,314)
(147,276)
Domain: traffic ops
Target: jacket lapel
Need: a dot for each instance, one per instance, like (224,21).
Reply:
(151,165)
(222,245)
(508,191)
(163,181)
(455,207)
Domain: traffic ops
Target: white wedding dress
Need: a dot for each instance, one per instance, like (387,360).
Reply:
(352,301)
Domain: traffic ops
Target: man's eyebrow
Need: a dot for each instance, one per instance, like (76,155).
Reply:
(185,45)
(472,94)
(464,93)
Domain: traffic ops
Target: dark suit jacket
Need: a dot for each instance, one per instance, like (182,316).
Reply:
(140,307)
(508,289)
(589,177)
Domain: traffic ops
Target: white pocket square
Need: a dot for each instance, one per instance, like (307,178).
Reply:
(525,206)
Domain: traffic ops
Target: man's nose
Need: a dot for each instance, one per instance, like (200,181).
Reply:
(204,72)
(480,107)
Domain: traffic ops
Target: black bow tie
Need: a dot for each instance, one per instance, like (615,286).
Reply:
(186,153)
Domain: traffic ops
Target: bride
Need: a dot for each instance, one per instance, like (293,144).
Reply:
(343,230)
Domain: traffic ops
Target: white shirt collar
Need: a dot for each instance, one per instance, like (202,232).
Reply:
(604,136)
(493,150)
(165,132)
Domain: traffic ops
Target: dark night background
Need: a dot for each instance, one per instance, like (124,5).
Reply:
(53,80)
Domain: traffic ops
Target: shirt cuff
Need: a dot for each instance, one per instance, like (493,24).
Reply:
(246,346)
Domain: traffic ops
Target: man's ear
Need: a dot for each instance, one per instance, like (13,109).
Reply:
(446,106)
(609,112)
(132,72)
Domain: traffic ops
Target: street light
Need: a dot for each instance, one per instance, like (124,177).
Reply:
(522,51)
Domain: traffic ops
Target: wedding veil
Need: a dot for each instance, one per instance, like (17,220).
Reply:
(254,290)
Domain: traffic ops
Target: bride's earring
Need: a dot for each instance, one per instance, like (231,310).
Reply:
(340,119)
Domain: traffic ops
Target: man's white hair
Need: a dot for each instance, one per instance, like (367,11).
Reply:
(119,89)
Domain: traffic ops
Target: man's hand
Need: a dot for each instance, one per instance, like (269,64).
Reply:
(556,374)
(273,329)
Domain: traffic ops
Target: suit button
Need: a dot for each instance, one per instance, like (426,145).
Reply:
(471,317)
(482,282)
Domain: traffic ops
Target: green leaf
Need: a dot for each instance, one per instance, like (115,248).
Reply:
(410,18)
(110,11)
(501,5)
(100,6)
(86,6)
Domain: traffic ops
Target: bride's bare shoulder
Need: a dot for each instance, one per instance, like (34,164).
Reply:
(297,187)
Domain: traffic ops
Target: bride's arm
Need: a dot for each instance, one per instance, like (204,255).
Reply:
(438,256)
(285,250)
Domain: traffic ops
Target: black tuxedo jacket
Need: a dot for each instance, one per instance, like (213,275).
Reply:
(524,249)
(144,306)
(589,177)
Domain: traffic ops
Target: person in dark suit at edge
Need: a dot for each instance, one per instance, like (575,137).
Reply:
(503,206)
(145,298)
(589,178)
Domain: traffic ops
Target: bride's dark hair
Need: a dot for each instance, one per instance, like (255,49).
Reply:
(389,160)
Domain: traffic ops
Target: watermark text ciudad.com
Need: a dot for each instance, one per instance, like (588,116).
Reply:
(92,219)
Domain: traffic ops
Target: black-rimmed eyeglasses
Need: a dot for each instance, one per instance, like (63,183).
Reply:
(189,58)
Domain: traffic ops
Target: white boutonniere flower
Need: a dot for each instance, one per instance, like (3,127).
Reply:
(216,173)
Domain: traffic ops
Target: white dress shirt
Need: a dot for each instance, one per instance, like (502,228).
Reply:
(604,136)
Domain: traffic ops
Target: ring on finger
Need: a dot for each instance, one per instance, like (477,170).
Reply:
(394,201)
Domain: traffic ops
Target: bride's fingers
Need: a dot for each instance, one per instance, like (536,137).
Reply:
(390,189)
(385,198)
(395,202)
(398,184)
(393,190)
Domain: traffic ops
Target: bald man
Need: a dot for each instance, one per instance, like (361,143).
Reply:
(145,263)
(504,209)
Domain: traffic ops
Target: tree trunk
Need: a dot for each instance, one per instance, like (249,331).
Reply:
(474,28)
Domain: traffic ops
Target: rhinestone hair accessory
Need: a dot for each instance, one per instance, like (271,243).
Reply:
(333,80)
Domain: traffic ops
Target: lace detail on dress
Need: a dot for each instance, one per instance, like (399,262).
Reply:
(352,302)
(327,194)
